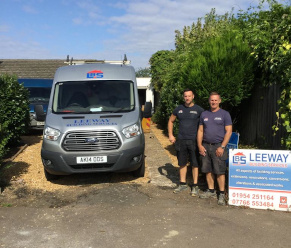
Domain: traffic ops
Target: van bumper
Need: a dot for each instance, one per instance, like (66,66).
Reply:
(65,164)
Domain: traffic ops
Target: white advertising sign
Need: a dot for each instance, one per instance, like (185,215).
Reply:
(260,179)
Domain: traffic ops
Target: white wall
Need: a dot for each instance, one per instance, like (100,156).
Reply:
(145,83)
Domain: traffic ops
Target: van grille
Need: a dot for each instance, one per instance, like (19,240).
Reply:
(91,141)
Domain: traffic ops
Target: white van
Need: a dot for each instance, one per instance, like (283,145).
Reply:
(93,121)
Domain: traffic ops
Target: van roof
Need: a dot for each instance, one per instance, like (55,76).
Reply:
(95,71)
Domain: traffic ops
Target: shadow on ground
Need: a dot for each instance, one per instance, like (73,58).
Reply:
(170,171)
(171,149)
(33,137)
(11,170)
(87,179)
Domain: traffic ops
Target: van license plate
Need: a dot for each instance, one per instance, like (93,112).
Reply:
(40,123)
(92,160)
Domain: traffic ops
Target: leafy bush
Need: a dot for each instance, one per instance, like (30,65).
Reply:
(143,72)
(230,55)
(14,112)
(222,63)
(161,63)
(269,34)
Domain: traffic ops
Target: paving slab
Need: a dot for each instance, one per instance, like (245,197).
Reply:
(161,170)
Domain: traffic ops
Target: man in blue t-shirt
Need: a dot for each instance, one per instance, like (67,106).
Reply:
(188,115)
(215,128)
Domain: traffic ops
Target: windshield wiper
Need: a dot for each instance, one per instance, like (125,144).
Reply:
(72,112)
(123,108)
(65,112)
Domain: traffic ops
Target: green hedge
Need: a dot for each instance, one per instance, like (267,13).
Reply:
(14,112)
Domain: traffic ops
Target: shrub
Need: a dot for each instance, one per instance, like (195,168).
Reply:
(14,112)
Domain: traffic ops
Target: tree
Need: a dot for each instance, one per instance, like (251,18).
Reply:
(205,28)
(230,54)
(143,72)
(269,35)
(209,57)
(222,64)
(161,63)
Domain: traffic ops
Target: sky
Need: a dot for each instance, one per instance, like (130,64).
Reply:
(100,29)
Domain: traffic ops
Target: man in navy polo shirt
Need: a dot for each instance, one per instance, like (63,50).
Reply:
(188,115)
(215,128)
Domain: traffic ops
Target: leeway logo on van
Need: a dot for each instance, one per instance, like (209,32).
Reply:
(95,74)
(91,122)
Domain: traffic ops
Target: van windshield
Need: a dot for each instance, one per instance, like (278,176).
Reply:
(93,96)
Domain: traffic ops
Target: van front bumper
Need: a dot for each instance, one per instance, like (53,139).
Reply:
(65,164)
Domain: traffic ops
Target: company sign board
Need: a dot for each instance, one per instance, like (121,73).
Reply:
(260,179)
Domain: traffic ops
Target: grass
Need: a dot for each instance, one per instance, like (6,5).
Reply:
(241,146)
(6,205)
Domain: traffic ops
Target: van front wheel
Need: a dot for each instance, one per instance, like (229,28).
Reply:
(141,170)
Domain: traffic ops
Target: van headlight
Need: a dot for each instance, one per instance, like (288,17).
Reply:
(131,131)
(51,133)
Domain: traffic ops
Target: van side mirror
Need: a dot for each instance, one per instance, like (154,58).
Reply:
(147,113)
(39,112)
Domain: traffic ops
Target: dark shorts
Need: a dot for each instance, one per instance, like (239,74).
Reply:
(186,151)
(212,163)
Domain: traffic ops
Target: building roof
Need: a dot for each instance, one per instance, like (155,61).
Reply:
(31,68)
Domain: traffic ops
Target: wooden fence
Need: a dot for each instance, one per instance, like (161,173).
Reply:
(258,115)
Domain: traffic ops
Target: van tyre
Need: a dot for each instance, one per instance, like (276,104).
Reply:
(50,176)
(141,170)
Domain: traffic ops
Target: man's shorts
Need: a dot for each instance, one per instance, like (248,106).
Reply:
(186,151)
(212,163)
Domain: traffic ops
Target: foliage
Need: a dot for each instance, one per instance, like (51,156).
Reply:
(209,57)
(14,112)
(170,97)
(269,34)
(284,114)
(161,64)
(171,88)
(222,64)
(198,33)
(229,54)
(6,205)
(143,72)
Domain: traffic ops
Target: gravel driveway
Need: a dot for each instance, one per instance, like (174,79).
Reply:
(27,185)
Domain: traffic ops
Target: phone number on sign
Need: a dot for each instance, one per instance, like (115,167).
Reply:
(253,196)
(252,203)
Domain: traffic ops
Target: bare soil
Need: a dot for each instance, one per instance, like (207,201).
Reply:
(165,143)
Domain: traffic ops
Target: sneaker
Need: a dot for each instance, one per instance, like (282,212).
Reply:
(207,194)
(194,191)
(180,188)
(221,200)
